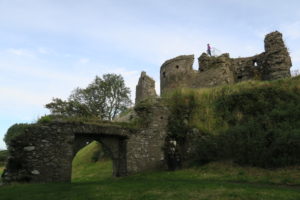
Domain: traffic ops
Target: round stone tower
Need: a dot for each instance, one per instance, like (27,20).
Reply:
(176,72)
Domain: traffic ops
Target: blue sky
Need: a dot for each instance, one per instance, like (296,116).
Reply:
(50,47)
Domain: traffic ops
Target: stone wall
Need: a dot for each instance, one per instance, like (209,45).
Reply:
(41,154)
(145,148)
(178,72)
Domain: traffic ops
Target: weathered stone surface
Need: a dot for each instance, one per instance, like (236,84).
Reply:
(145,88)
(176,72)
(277,62)
(145,148)
(35,172)
(29,148)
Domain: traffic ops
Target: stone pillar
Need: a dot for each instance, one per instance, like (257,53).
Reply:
(277,62)
(117,149)
(145,147)
(203,61)
(145,88)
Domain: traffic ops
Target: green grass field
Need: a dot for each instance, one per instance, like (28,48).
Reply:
(218,180)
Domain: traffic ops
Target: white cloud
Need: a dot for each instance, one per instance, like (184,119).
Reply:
(35,85)
(43,50)
(21,52)
(84,60)
(15,97)
(29,53)
(36,72)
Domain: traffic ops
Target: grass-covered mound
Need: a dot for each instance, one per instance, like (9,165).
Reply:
(252,123)
(91,162)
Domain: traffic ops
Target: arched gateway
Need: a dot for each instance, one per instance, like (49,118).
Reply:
(112,138)
(44,153)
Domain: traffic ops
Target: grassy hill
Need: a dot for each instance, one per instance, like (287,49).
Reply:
(86,169)
(253,123)
(217,111)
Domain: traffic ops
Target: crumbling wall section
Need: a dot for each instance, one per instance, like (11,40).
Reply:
(213,71)
(277,61)
(249,68)
(41,154)
(274,63)
(145,88)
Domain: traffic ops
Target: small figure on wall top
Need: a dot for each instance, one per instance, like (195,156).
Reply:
(208,50)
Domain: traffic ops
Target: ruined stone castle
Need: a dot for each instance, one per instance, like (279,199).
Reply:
(273,63)
(45,151)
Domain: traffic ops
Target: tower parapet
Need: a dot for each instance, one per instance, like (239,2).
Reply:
(176,72)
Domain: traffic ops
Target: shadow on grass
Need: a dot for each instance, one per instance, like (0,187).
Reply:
(162,185)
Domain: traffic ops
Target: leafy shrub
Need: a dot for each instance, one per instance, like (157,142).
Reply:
(181,109)
(47,118)
(264,126)
(207,149)
(14,131)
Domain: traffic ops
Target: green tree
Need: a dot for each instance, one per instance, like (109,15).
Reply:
(104,98)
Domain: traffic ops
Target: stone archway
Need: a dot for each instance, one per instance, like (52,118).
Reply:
(115,145)
(44,153)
